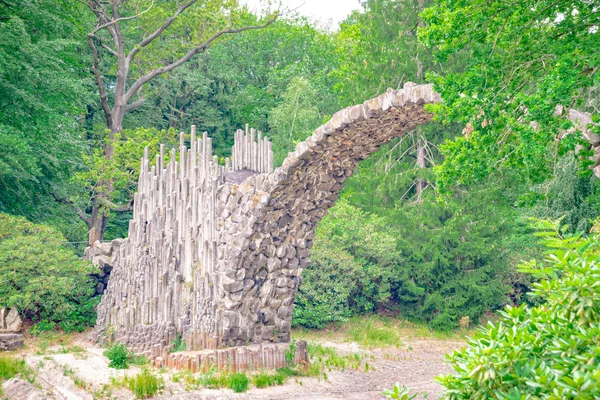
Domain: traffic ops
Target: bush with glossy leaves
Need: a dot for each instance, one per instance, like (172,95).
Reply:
(551,351)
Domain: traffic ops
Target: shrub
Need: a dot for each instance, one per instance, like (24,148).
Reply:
(238,382)
(42,277)
(550,351)
(119,356)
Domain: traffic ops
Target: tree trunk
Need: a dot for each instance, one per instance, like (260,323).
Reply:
(422,164)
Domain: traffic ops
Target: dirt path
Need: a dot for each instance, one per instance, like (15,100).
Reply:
(415,365)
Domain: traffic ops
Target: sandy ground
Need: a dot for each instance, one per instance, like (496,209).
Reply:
(415,365)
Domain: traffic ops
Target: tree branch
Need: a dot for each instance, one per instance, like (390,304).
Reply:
(114,21)
(136,104)
(78,210)
(108,48)
(115,207)
(159,31)
(159,71)
(100,82)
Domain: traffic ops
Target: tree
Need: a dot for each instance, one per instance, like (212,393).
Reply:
(524,59)
(294,118)
(122,25)
(43,92)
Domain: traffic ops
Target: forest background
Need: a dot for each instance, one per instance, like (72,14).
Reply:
(429,228)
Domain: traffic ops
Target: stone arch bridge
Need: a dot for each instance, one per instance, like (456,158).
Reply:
(215,253)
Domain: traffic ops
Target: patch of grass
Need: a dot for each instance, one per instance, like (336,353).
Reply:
(120,357)
(265,379)
(378,331)
(11,367)
(50,338)
(238,382)
(80,383)
(143,385)
(323,357)
(375,332)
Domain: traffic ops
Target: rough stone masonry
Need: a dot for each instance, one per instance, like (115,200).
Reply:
(215,252)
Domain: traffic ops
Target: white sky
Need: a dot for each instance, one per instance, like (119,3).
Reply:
(322,10)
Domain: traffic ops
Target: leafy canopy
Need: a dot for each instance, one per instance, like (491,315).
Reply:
(525,58)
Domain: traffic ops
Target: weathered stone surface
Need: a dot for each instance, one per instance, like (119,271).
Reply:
(11,341)
(19,389)
(215,253)
(10,321)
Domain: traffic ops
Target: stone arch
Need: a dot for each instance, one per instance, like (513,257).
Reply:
(215,253)
(301,191)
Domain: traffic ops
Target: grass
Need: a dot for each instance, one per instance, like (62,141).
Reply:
(143,385)
(120,357)
(44,340)
(377,331)
(11,367)
(328,358)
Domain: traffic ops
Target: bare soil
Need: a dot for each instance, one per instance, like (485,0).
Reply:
(414,364)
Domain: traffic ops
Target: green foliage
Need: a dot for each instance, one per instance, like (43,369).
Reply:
(524,60)
(290,354)
(43,89)
(293,119)
(264,379)
(430,262)
(11,367)
(567,195)
(42,277)
(399,392)
(118,355)
(145,384)
(238,382)
(550,351)
(178,344)
(41,327)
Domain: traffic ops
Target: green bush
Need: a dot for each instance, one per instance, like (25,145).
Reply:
(42,277)
(551,351)
(118,355)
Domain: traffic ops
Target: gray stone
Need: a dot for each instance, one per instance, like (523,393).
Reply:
(210,245)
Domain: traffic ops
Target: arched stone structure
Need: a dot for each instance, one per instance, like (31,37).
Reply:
(215,253)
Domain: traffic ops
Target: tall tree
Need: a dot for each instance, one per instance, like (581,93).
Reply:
(525,58)
(123,31)
(43,92)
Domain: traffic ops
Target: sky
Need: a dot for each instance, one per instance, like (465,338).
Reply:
(323,10)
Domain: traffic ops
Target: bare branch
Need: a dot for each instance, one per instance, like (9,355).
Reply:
(100,82)
(109,49)
(78,210)
(159,71)
(160,30)
(136,104)
(114,21)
